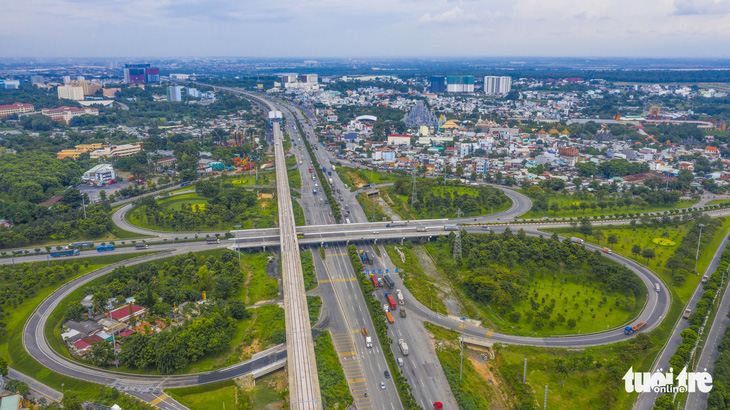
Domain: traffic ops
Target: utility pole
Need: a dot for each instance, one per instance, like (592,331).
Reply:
(414,194)
(83,204)
(697,255)
(237,249)
(544,400)
(457,240)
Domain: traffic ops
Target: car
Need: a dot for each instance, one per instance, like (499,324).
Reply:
(382,385)
(387,374)
(376,232)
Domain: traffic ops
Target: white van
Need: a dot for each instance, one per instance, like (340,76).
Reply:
(658,289)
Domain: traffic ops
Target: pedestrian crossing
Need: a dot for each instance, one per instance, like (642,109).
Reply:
(350,361)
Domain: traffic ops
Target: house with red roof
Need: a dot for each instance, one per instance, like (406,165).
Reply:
(126,312)
(84,345)
(712,151)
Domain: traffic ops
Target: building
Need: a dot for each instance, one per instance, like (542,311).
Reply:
(71,92)
(87,87)
(15,108)
(100,174)
(67,113)
(140,74)
(126,312)
(110,92)
(116,151)
(37,79)
(497,85)
(76,152)
(164,163)
(460,84)
(11,402)
(399,140)
(10,84)
(179,76)
(438,84)
(305,82)
(174,93)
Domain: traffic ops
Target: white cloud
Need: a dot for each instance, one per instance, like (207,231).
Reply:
(701,7)
(453,16)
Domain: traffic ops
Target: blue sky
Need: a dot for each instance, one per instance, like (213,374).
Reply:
(348,28)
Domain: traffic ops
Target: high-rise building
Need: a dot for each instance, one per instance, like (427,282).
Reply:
(438,84)
(66,79)
(112,65)
(174,93)
(140,74)
(307,82)
(460,84)
(37,79)
(495,85)
(71,92)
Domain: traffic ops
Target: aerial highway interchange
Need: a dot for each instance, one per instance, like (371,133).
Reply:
(345,312)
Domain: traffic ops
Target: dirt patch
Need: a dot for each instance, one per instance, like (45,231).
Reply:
(499,399)
(443,288)
(388,210)
(246,284)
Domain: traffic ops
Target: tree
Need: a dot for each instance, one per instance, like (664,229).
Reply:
(3,367)
(459,171)
(19,387)
(612,239)
(585,228)
(636,250)
(101,353)
(648,253)
(71,197)
(555,207)
(71,401)
(598,235)
(571,323)
(102,195)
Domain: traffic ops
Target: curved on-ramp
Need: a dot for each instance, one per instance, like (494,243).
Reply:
(36,344)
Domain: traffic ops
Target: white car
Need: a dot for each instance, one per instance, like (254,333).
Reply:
(382,385)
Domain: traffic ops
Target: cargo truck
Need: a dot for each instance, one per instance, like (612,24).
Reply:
(388,281)
(68,252)
(333,167)
(403,347)
(421,229)
(368,339)
(374,279)
(370,258)
(389,317)
(140,246)
(314,191)
(364,257)
(399,296)
(633,329)
(607,250)
(331,181)
(391,301)
(329,173)
(450,228)
(577,240)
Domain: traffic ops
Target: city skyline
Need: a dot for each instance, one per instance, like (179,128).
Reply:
(380,28)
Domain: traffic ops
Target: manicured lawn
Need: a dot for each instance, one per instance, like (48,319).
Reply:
(197,204)
(401,204)
(718,201)
(567,200)
(310,279)
(315,306)
(295,179)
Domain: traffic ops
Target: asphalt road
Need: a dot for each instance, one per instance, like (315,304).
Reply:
(364,368)
(697,400)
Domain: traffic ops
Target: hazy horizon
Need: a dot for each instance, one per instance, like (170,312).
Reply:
(693,29)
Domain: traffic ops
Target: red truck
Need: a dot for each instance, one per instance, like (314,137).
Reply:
(374,279)
(391,301)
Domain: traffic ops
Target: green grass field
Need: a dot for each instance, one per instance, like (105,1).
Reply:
(567,200)
(333,386)
(718,201)
(260,286)
(315,307)
(645,237)
(356,178)
(401,204)
(423,288)
(213,396)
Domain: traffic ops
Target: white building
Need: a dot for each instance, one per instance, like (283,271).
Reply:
(102,173)
(399,140)
(71,92)
(174,93)
(305,82)
(497,85)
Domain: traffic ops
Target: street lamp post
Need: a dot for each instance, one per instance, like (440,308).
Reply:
(461,365)
(697,255)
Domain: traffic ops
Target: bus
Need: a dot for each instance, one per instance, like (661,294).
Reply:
(58,254)
(450,228)
(105,248)
(210,241)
